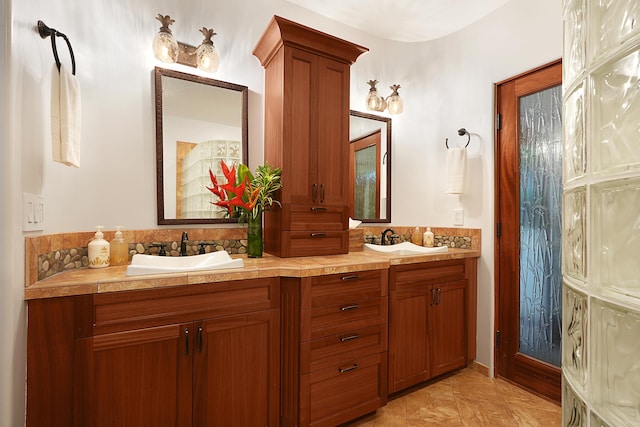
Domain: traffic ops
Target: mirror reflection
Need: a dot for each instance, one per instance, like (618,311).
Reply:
(370,167)
(199,122)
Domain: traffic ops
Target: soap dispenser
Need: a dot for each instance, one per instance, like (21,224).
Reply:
(98,250)
(427,238)
(119,248)
(416,237)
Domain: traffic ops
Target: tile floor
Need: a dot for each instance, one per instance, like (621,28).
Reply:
(466,399)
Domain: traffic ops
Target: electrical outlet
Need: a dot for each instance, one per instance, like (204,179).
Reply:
(458,217)
(32,212)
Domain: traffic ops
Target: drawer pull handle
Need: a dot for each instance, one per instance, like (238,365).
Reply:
(350,277)
(186,341)
(200,339)
(315,209)
(350,368)
(315,193)
(318,234)
(349,338)
(349,307)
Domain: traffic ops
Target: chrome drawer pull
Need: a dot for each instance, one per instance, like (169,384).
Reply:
(350,368)
(351,277)
(349,338)
(318,234)
(349,307)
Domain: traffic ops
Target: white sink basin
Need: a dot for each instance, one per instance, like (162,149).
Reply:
(406,248)
(152,264)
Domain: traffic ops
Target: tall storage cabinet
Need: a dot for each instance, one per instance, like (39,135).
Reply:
(307,135)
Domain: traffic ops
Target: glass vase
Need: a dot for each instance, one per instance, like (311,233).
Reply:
(254,235)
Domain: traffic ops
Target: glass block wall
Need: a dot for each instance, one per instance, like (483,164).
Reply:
(601,213)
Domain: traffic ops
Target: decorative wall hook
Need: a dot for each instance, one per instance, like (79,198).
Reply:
(461,132)
(45,32)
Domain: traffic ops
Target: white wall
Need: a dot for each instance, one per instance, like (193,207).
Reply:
(446,84)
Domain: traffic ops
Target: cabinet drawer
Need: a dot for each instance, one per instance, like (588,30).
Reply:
(121,311)
(328,351)
(313,217)
(343,392)
(346,288)
(314,242)
(343,318)
(406,276)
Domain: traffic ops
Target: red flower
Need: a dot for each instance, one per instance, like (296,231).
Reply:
(230,195)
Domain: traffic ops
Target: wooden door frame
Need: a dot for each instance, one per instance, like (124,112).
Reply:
(549,374)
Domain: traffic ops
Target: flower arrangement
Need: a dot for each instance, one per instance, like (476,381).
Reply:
(246,194)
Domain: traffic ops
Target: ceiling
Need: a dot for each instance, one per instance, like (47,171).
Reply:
(404,20)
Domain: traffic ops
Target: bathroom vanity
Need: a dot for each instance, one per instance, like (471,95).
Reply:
(281,341)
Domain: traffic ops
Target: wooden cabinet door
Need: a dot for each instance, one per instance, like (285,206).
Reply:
(447,322)
(236,371)
(140,377)
(299,139)
(333,132)
(408,338)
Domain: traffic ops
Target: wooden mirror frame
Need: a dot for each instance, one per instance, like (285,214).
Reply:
(160,179)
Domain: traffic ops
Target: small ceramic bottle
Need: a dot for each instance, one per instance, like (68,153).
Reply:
(119,248)
(427,238)
(98,250)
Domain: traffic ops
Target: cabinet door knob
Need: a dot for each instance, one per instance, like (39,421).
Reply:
(350,368)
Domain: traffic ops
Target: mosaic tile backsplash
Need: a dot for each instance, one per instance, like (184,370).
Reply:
(48,255)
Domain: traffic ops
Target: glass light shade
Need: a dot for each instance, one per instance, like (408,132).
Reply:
(396,105)
(374,102)
(165,47)
(207,58)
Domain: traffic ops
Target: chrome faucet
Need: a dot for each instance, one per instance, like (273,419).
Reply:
(383,239)
(183,244)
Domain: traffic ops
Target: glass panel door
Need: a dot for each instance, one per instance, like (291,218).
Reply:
(540,133)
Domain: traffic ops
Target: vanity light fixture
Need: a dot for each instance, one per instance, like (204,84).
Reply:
(167,49)
(393,103)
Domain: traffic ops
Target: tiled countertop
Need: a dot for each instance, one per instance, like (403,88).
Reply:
(113,279)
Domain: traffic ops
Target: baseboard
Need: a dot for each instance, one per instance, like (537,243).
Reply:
(481,369)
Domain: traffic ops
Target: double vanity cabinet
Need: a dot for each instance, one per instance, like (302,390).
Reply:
(314,341)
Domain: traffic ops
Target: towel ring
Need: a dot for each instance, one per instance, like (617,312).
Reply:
(45,32)
(461,132)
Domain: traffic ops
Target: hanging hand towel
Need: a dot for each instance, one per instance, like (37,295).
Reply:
(65,117)
(456,170)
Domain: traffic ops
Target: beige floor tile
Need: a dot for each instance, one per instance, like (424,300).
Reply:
(466,399)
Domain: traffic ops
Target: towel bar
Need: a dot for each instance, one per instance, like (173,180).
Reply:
(45,32)
(461,132)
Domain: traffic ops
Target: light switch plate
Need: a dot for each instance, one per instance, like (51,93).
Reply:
(458,217)
(32,212)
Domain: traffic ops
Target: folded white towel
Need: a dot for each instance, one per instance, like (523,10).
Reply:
(456,170)
(65,117)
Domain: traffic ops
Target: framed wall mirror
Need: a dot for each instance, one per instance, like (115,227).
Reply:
(370,167)
(199,122)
